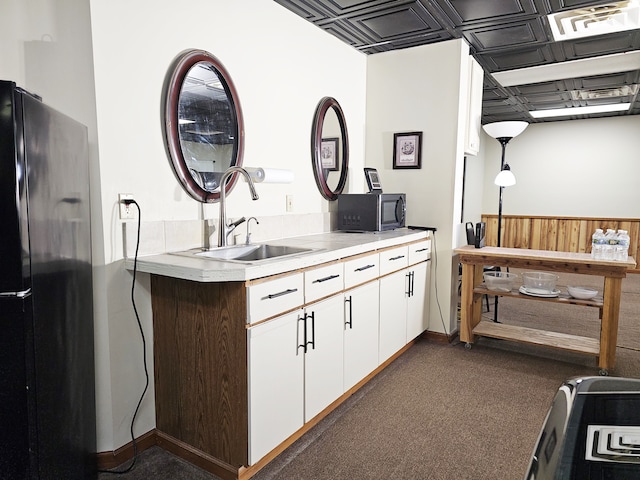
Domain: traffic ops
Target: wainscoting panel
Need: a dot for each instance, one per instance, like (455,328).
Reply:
(561,234)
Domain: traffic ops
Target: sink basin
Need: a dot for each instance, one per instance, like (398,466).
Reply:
(248,253)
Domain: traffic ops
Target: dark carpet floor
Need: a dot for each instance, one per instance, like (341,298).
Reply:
(441,411)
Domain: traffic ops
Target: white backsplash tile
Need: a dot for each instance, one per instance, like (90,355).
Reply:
(152,239)
(183,235)
(171,236)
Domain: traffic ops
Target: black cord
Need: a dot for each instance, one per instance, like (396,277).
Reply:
(144,352)
(436,284)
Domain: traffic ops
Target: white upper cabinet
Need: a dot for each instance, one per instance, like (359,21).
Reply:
(474,107)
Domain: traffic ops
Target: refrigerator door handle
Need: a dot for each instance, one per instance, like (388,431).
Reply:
(22,294)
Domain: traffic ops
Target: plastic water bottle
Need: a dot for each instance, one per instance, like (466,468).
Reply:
(597,244)
(622,247)
(610,241)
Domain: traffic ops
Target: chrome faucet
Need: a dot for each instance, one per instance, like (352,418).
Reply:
(225,229)
(248,240)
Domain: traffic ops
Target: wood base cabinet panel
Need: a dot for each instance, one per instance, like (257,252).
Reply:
(200,363)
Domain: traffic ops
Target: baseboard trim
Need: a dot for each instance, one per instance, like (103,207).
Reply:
(441,337)
(197,457)
(110,460)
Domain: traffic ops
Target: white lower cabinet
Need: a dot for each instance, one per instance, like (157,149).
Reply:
(418,300)
(393,314)
(360,333)
(323,360)
(276,383)
(301,362)
(295,372)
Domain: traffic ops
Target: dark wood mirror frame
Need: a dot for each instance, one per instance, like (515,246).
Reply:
(174,80)
(319,172)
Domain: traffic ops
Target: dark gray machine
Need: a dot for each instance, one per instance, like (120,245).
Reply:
(592,431)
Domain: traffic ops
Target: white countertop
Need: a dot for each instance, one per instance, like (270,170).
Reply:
(330,246)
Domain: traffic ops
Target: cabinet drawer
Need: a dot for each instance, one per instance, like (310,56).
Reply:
(419,252)
(393,259)
(270,298)
(361,270)
(323,281)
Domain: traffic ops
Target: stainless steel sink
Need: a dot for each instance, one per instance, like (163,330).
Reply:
(247,253)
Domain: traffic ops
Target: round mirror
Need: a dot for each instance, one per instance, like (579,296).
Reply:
(203,127)
(329,148)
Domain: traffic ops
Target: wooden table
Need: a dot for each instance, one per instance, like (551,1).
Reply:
(604,348)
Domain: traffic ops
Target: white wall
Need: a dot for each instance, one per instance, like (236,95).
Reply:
(581,168)
(420,89)
(281,66)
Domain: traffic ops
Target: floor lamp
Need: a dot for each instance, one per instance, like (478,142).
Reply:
(503,132)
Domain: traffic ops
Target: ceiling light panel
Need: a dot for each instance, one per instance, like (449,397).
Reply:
(572,111)
(586,67)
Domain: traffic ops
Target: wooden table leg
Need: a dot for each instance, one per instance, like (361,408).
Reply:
(609,325)
(470,307)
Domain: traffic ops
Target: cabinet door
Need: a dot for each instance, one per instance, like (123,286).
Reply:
(418,300)
(360,333)
(276,382)
(323,362)
(393,314)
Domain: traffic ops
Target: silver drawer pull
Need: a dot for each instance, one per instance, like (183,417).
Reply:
(330,277)
(397,258)
(421,250)
(279,294)
(366,267)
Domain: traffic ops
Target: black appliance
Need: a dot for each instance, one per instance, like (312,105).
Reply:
(476,237)
(47,379)
(371,212)
(592,431)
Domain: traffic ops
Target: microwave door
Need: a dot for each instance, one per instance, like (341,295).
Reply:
(400,211)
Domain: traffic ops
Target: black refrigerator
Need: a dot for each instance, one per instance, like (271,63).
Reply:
(47,379)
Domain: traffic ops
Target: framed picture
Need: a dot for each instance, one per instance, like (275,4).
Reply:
(407,150)
(329,154)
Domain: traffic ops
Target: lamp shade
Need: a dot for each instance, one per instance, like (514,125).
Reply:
(505,178)
(505,129)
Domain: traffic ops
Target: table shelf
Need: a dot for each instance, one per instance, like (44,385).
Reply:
(532,336)
(562,298)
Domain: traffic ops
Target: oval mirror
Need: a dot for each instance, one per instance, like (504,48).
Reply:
(329,148)
(203,126)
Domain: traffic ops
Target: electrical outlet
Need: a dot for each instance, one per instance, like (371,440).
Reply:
(289,203)
(126,211)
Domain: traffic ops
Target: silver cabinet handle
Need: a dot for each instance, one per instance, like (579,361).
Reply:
(304,344)
(397,258)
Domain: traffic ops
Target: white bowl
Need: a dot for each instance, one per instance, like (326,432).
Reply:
(540,281)
(583,293)
(499,281)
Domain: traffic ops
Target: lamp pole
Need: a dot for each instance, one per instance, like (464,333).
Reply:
(503,141)
(503,132)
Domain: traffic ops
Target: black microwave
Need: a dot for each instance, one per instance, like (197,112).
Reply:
(371,212)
